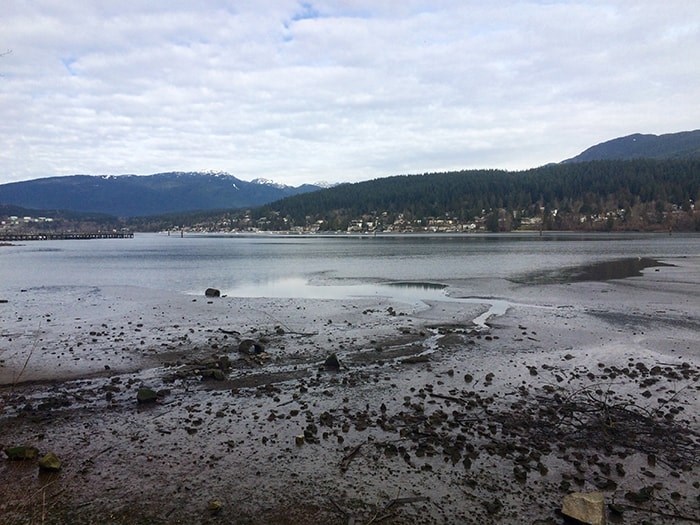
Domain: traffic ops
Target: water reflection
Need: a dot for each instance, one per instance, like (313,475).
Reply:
(417,293)
(300,287)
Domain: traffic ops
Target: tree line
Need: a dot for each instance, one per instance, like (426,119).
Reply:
(642,192)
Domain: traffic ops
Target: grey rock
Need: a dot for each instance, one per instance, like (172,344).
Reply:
(332,363)
(213,373)
(146,395)
(50,462)
(212,292)
(586,507)
(250,347)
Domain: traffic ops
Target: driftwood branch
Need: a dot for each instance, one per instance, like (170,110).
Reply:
(345,462)
(385,514)
(660,513)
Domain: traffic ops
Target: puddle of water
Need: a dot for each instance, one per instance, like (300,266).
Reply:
(301,288)
(417,293)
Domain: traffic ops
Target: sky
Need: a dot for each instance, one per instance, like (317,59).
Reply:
(307,91)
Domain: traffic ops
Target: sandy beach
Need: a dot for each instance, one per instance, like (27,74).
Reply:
(429,418)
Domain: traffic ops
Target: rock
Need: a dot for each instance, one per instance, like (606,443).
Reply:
(21,453)
(586,507)
(332,363)
(644,495)
(213,373)
(224,362)
(146,395)
(212,292)
(299,440)
(493,507)
(50,462)
(214,506)
(250,347)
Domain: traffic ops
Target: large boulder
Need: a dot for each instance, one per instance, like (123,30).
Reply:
(212,292)
(586,507)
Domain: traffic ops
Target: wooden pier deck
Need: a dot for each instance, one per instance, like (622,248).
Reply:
(6,237)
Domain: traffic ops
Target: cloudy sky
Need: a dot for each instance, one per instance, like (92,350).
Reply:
(337,91)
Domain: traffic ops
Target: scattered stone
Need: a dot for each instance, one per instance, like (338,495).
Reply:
(214,506)
(642,496)
(250,347)
(224,362)
(21,452)
(493,507)
(50,462)
(213,373)
(299,440)
(212,292)
(586,507)
(146,395)
(332,363)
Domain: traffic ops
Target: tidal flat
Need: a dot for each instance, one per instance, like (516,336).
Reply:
(476,400)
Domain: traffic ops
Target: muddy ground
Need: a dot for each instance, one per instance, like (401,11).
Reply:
(579,386)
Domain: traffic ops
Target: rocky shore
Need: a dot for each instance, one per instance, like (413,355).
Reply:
(163,408)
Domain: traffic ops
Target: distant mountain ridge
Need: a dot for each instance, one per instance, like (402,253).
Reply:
(678,146)
(138,196)
(182,192)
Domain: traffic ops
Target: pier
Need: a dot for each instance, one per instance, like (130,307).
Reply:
(5,237)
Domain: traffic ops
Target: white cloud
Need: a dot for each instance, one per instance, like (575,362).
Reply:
(302,91)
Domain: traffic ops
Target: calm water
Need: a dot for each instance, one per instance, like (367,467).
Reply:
(285,266)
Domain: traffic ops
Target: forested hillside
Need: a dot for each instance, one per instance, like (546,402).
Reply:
(638,194)
(634,195)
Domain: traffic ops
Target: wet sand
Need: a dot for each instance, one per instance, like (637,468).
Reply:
(581,385)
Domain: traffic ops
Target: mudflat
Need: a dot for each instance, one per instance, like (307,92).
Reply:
(168,408)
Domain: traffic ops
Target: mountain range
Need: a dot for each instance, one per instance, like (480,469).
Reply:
(177,192)
(134,196)
(678,146)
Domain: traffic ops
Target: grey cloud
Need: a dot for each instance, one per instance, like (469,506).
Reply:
(297,91)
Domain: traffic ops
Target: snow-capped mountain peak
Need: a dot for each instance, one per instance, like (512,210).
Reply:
(268,182)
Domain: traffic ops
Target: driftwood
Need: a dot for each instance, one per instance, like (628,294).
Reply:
(660,513)
(345,462)
(384,514)
(449,398)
